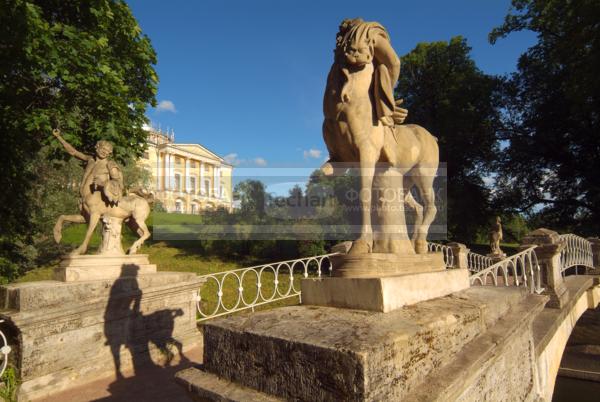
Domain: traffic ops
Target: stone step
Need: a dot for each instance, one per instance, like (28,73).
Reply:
(204,386)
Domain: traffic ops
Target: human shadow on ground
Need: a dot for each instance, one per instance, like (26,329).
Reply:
(126,327)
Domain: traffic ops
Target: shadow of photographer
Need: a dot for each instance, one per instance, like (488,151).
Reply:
(125,326)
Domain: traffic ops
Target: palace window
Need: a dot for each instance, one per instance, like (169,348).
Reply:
(193,185)
(193,164)
(177,182)
(206,187)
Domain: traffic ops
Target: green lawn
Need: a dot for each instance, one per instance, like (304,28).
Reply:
(174,256)
(185,256)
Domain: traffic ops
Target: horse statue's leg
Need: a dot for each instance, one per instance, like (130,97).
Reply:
(423,179)
(139,214)
(144,233)
(61,220)
(368,159)
(94,218)
(410,201)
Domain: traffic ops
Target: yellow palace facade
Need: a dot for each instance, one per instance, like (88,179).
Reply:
(186,178)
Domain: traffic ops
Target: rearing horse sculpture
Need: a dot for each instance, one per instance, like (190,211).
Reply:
(361,127)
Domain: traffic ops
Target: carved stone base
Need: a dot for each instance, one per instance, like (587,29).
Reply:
(383,294)
(558,296)
(497,257)
(97,267)
(385,264)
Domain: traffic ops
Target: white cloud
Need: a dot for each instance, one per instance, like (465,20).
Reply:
(232,159)
(166,106)
(312,153)
(260,162)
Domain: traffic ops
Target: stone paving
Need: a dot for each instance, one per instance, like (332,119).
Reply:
(151,384)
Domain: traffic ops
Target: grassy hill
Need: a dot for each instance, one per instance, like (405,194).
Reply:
(182,256)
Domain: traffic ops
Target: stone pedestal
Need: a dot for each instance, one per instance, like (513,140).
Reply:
(311,353)
(383,294)
(383,282)
(460,254)
(549,247)
(497,257)
(385,264)
(98,267)
(71,333)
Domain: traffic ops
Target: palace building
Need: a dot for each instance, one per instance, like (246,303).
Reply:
(186,178)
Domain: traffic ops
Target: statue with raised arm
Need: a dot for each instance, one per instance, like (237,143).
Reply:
(101,174)
(102,198)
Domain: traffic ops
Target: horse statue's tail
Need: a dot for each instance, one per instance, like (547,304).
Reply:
(145,194)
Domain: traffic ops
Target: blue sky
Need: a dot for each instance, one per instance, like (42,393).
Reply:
(246,78)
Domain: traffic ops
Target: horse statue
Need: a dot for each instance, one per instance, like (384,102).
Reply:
(101,198)
(362,126)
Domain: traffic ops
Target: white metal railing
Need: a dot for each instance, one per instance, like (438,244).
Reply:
(4,351)
(477,262)
(521,269)
(576,253)
(278,277)
(445,250)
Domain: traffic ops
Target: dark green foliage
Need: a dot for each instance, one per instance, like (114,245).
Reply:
(253,197)
(446,93)
(552,122)
(82,66)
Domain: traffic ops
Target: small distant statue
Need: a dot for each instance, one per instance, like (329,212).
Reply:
(496,237)
(101,191)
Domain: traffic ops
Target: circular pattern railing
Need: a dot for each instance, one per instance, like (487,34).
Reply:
(521,269)
(4,351)
(247,288)
(577,252)
(477,262)
(445,250)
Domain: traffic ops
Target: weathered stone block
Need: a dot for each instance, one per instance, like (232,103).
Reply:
(70,333)
(320,353)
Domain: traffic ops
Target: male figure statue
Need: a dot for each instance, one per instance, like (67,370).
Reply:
(496,237)
(101,174)
(351,39)
(102,197)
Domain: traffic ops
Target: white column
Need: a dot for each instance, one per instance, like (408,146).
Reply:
(157,170)
(166,170)
(186,174)
(215,182)
(169,173)
(219,182)
(202,178)
(172,169)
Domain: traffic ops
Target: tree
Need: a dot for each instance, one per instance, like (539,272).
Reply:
(252,196)
(85,67)
(446,93)
(551,125)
